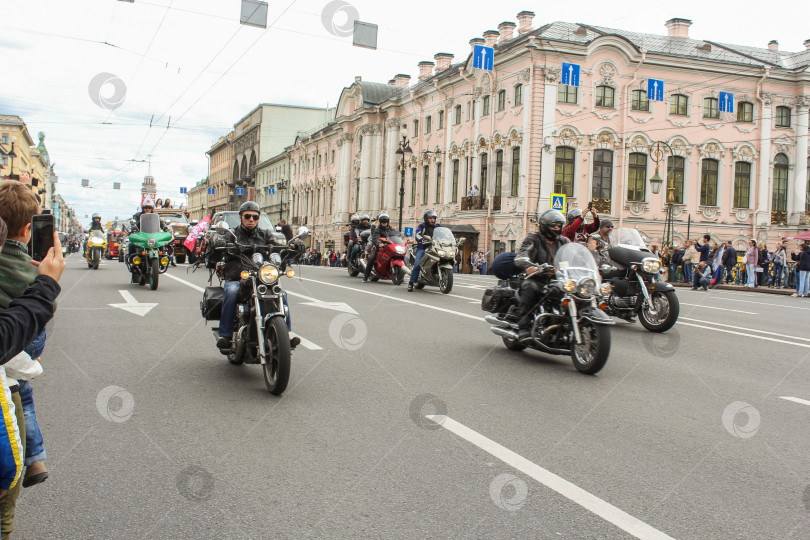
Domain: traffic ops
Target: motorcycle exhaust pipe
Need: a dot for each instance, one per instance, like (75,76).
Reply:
(503,332)
(494,321)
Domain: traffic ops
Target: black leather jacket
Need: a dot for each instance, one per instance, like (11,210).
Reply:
(96,227)
(382,232)
(536,251)
(244,236)
(355,231)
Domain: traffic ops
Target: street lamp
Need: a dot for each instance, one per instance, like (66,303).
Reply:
(657,155)
(281,187)
(404,152)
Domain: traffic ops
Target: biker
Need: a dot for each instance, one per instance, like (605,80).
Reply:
(537,249)
(94,226)
(247,233)
(576,230)
(383,231)
(425,229)
(603,236)
(364,225)
(355,222)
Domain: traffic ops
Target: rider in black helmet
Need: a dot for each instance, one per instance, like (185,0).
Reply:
(425,229)
(382,230)
(537,249)
(363,225)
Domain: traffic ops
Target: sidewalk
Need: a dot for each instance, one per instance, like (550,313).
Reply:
(760,289)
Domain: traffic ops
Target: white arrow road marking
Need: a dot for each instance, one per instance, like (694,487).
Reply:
(336,306)
(133,306)
(796,400)
(590,502)
(305,342)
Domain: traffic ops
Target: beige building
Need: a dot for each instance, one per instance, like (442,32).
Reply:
(272,180)
(19,156)
(198,200)
(219,173)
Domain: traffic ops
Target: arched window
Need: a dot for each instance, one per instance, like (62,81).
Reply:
(637,177)
(708,182)
(501,100)
(602,179)
(605,96)
(425,183)
(711,108)
(679,104)
(413,186)
(564,171)
(456,167)
(742,184)
(484,173)
(498,173)
(780,183)
(745,112)
(678,168)
(783,117)
(438,198)
(515,172)
(518,95)
(640,101)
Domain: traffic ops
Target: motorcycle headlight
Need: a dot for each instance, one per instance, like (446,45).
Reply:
(151,242)
(651,265)
(569,286)
(586,287)
(268,274)
(606,289)
(400,250)
(442,253)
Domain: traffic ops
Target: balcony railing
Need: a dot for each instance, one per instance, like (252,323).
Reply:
(602,206)
(473,203)
(778,216)
(496,204)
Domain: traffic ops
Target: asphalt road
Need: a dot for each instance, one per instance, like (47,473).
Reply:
(151,433)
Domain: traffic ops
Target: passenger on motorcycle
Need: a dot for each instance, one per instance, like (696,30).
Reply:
(576,230)
(537,249)
(363,225)
(425,229)
(383,229)
(355,222)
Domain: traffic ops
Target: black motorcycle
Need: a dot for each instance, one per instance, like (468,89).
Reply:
(567,319)
(359,264)
(634,274)
(261,335)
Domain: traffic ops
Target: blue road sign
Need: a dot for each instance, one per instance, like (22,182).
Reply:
(726,102)
(408,231)
(240,191)
(570,74)
(483,57)
(210,191)
(183,190)
(655,90)
(271,191)
(558,202)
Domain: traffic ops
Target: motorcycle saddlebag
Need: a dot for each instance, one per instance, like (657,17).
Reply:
(211,305)
(497,299)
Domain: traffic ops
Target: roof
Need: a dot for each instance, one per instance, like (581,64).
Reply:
(375,93)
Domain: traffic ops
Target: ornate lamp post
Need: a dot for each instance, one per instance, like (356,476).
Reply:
(404,152)
(282,187)
(657,155)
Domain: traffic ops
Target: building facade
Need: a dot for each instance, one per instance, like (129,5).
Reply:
(272,179)
(219,174)
(20,159)
(197,199)
(490,147)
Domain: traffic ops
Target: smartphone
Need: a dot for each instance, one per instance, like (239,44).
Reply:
(42,227)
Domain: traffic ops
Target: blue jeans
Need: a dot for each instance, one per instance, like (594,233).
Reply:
(229,301)
(804,285)
(687,272)
(34,451)
(751,274)
(417,258)
(704,281)
(355,251)
(36,347)
(776,279)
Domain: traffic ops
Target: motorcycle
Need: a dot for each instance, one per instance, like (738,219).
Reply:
(436,266)
(569,318)
(359,264)
(152,259)
(390,261)
(123,240)
(261,335)
(95,248)
(634,274)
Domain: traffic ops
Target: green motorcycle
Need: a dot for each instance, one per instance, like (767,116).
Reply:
(151,259)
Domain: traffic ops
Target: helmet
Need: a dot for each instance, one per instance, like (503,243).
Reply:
(573,214)
(249,205)
(430,214)
(384,218)
(96,216)
(365,217)
(551,224)
(355,219)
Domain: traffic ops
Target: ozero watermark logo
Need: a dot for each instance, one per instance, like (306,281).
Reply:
(115,404)
(661,345)
(741,419)
(427,404)
(348,331)
(107,90)
(338,18)
(195,483)
(508,492)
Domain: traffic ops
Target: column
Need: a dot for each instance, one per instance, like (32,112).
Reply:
(344,178)
(549,125)
(377,173)
(800,182)
(366,171)
(391,178)
(763,195)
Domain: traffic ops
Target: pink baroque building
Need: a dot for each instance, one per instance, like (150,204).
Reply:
(489,148)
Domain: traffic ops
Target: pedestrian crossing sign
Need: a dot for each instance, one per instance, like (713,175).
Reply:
(558,202)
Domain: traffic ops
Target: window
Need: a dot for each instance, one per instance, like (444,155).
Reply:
(485,106)
(333,156)
(455,180)
(780,183)
(566,94)
(5,138)
(678,168)
(515,172)
(564,171)
(708,182)
(457,120)
(602,175)
(518,95)
(679,104)
(438,198)
(637,177)
(604,96)
(498,173)
(428,124)
(416,128)
(742,184)
(331,199)
(425,184)
(640,101)
(745,113)
(783,117)
(441,119)
(501,100)
(484,173)
(319,161)
(711,108)
(413,186)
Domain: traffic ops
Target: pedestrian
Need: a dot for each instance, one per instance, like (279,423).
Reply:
(763,264)
(751,258)
(690,256)
(666,260)
(717,263)
(654,250)
(675,263)
(778,260)
(729,261)
(803,267)
(285,229)
(703,249)
(483,269)
(457,262)
(701,276)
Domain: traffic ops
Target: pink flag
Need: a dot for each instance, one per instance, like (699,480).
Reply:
(200,227)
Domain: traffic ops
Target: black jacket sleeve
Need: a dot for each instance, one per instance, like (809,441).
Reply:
(525,255)
(26,317)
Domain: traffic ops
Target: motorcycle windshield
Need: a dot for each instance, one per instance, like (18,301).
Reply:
(150,223)
(396,239)
(97,235)
(574,262)
(443,235)
(627,237)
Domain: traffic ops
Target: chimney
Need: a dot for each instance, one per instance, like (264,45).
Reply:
(525,21)
(491,37)
(807,44)
(773,45)
(358,78)
(506,29)
(425,69)
(443,61)
(402,80)
(474,42)
(392,82)
(678,27)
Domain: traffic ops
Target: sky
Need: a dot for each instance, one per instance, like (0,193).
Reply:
(114,84)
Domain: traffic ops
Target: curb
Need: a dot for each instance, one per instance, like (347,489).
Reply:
(761,289)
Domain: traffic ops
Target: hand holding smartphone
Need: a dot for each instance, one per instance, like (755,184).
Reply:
(42,229)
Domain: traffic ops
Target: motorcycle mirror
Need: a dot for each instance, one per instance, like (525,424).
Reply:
(303,232)
(461,240)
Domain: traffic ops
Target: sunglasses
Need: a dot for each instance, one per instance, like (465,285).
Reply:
(254,217)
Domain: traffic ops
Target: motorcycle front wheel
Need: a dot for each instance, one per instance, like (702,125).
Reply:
(591,355)
(279,356)
(154,274)
(667,306)
(445,280)
(397,275)
(96,258)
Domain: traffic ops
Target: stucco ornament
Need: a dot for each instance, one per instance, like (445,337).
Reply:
(709,212)
(607,71)
(515,138)
(552,73)
(637,208)
(743,152)
(605,139)
(680,148)
(677,211)
(802,101)
(639,144)
(524,75)
(569,138)
(711,150)
(741,215)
